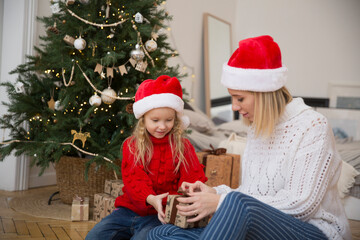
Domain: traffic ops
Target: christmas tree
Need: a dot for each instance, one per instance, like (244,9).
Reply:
(75,96)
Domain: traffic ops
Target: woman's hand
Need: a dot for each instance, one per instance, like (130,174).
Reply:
(197,187)
(156,202)
(201,204)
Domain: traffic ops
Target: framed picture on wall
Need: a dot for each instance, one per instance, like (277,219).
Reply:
(345,95)
(344,122)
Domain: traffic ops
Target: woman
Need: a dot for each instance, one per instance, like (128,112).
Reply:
(290,167)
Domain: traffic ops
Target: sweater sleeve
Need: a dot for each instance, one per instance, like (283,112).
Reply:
(310,172)
(138,185)
(192,170)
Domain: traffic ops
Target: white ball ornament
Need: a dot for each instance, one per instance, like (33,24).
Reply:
(58,106)
(95,100)
(137,54)
(108,95)
(80,43)
(151,45)
(84,1)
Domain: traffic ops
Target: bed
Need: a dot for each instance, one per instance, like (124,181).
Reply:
(203,131)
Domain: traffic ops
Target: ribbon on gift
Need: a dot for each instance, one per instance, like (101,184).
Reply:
(212,151)
(81,202)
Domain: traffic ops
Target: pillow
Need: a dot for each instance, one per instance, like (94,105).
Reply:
(346,179)
(199,121)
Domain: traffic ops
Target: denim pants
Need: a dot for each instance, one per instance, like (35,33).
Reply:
(243,217)
(123,223)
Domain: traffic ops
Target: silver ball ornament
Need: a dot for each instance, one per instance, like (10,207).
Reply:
(58,106)
(84,1)
(95,100)
(151,45)
(108,95)
(80,43)
(137,54)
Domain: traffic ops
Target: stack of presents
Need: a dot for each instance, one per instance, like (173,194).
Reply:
(220,168)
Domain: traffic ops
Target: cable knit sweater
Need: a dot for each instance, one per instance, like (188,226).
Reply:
(161,178)
(296,170)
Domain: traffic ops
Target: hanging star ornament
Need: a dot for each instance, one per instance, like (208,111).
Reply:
(51,103)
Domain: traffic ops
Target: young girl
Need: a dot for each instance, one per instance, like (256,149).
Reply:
(156,161)
(290,167)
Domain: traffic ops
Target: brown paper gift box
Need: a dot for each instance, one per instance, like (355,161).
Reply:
(80,209)
(221,169)
(116,188)
(110,184)
(172,217)
(104,205)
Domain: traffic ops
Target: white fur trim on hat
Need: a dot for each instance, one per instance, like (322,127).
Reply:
(256,80)
(148,103)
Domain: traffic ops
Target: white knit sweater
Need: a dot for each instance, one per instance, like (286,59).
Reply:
(296,170)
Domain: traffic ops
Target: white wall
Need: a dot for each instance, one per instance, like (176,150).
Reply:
(14,47)
(187,30)
(320,40)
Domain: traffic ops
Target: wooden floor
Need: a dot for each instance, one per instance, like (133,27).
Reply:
(14,225)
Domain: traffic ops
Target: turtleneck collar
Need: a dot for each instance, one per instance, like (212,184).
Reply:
(155,140)
(293,108)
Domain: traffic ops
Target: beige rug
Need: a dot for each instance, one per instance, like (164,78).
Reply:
(35,203)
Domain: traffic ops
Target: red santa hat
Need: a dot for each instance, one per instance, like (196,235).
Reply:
(255,66)
(165,91)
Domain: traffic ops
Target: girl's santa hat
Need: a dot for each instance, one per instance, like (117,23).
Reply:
(255,66)
(165,91)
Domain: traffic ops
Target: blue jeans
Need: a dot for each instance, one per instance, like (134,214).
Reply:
(243,217)
(123,223)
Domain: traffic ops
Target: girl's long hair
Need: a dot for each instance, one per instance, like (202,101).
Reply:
(141,146)
(269,106)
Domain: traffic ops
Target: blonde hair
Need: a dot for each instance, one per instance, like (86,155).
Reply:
(269,106)
(141,146)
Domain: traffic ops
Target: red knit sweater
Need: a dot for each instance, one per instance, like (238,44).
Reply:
(139,184)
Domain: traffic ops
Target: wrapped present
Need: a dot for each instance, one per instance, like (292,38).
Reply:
(116,188)
(80,209)
(104,205)
(220,167)
(111,184)
(172,217)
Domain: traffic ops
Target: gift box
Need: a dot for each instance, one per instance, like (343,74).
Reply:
(104,205)
(113,184)
(116,188)
(172,217)
(220,167)
(80,209)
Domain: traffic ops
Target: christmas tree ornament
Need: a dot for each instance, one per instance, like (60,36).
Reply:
(19,87)
(80,43)
(80,136)
(70,2)
(98,68)
(108,95)
(55,8)
(139,18)
(69,40)
(58,106)
(137,54)
(53,29)
(95,100)
(110,72)
(107,11)
(150,45)
(122,70)
(141,66)
(51,103)
(84,1)
(129,108)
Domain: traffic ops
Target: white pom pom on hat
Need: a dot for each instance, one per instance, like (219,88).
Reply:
(255,66)
(165,91)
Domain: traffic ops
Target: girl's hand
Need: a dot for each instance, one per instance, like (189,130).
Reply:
(201,204)
(197,187)
(156,202)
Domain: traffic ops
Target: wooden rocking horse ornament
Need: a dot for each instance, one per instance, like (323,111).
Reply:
(81,136)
